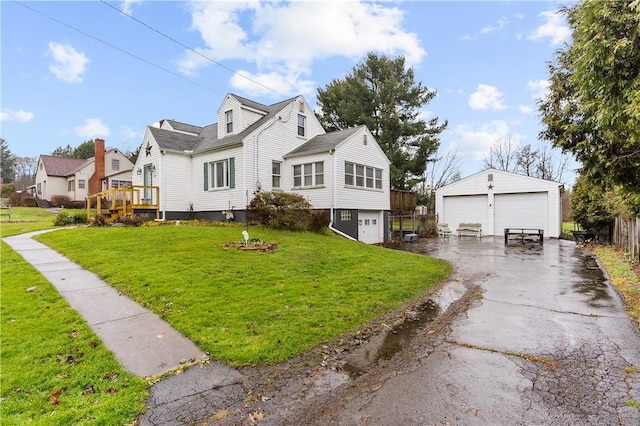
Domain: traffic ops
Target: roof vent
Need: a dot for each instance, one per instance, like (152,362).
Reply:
(364,139)
(490,177)
(301,106)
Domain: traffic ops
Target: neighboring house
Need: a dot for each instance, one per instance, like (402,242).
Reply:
(76,178)
(497,200)
(206,172)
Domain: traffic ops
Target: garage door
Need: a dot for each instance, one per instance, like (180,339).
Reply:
(369,227)
(525,210)
(465,209)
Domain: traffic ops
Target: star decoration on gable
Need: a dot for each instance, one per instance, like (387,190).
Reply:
(148,149)
(490,186)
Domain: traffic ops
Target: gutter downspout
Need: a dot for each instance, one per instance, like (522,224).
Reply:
(162,191)
(333,195)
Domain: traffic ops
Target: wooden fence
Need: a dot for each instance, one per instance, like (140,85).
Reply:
(626,235)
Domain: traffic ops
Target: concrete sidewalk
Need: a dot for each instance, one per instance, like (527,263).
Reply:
(142,342)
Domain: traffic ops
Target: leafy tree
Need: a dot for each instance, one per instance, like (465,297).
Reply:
(83,151)
(382,94)
(66,152)
(7,162)
(593,106)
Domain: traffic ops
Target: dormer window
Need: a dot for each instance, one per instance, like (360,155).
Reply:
(302,124)
(229,120)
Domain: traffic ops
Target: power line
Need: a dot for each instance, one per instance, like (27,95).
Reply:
(118,48)
(189,48)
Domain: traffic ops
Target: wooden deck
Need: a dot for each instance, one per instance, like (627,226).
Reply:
(124,201)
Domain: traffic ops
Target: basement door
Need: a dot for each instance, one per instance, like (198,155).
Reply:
(369,227)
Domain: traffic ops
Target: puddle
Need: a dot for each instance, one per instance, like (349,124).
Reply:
(591,282)
(385,346)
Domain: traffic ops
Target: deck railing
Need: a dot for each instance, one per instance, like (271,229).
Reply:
(123,201)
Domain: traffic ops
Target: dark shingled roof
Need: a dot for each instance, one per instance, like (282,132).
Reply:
(184,127)
(207,139)
(174,141)
(323,143)
(61,166)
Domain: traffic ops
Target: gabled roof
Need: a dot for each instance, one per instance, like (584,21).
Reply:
(174,141)
(323,143)
(62,166)
(184,127)
(206,139)
(250,103)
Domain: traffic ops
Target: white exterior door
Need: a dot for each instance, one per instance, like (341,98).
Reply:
(465,209)
(369,225)
(524,210)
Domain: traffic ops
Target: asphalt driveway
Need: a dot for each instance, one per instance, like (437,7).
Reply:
(546,342)
(522,334)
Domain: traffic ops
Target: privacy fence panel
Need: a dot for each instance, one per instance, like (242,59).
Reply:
(626,235)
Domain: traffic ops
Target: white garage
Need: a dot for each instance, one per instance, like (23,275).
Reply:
(498,200)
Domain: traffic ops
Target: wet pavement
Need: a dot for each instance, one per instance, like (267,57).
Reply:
(521,334)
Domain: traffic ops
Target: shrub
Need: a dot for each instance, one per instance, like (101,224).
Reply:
(63,219)
(59,200)
(131,220)
(7,189)
(283,210)
(22,200)
(80,217)
(75,205)
(99,221)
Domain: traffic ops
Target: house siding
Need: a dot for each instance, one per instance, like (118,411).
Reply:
(353,150)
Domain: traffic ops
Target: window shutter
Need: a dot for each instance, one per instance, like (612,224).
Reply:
(232,172)
(206,176)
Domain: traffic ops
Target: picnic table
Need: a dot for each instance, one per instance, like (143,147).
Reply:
(523,233)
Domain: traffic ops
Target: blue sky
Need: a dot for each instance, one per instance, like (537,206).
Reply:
(73,71)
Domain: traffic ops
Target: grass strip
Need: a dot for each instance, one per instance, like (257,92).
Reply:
(55,370)
(620,268)
(247,307)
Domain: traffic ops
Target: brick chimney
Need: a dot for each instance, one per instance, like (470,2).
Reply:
(95,184)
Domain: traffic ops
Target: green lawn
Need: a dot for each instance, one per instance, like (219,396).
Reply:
(242,307)
(620,268)
(251,307)
(55,370)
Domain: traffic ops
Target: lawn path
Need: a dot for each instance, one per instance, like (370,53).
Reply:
(142,342)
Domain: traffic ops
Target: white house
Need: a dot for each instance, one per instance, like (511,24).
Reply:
(497,200)
(204,172)
(76,178)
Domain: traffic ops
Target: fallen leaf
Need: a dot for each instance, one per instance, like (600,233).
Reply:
(160,336)
(54,398)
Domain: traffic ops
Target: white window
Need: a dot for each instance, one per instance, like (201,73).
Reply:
(220,174)
(276,167)
(309,174)
(345,215)
(115,164)
(81,183)
(302,124)
(362,176)
(70,185)
(228,115)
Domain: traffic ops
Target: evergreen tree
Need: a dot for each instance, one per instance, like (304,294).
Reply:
(382,94)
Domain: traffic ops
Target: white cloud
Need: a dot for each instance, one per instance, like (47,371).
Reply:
(525,109)
(19,115)
(538,88)
(475,142)
(68,64)
(486,97)
(127,6)
(92,128)
(555,28)
(128,133)
(285,39)
(491,28)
